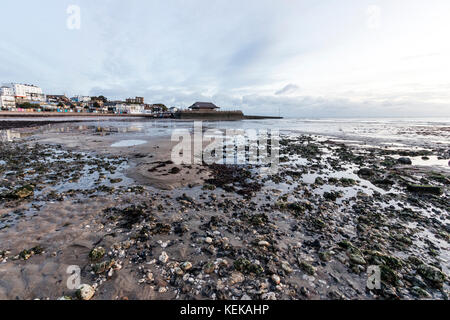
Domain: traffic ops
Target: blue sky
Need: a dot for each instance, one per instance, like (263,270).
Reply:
(306,58)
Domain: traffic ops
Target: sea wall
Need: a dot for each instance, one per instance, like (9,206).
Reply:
(210,115)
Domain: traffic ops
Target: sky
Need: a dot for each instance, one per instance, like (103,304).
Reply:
(296,58)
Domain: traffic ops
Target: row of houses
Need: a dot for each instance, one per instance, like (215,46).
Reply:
(15,96)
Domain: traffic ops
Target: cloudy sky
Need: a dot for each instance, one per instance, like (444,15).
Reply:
(302,58)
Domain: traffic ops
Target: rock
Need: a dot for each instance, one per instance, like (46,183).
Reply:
(404,160)
(263,244)
(174,170)
(208,240)
(325,256)
(286,267)
(245,266)
(389,276)
(186,266)
(269,296)
(209,267)
(162,290)
(207,186)
(432,274)
(85,292)
(365,172)
(97,253)
(21,193)
(357,259)
(420,293)
(306,267)
(103,266)
(319,181)
(425,189)
(164,257)
(236,277)
(276,279)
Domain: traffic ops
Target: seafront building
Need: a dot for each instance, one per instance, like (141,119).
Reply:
(128,108)
(26,92)
(137,100)
(81,99)
(7,99)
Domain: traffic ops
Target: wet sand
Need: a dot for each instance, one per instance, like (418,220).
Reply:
(199,232)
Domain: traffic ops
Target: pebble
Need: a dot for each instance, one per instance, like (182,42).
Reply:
(208,240)
(286,267)
(85,292)
(164,257)
(186,266)
(276,279)
(264,244)
(236,277)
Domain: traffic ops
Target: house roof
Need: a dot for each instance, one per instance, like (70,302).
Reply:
(204,105)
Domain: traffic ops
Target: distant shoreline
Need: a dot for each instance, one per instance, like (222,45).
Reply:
(201,116)
(11,114)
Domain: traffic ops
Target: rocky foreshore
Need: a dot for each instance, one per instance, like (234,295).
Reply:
(309,232)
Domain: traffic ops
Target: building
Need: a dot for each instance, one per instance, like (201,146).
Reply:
(26,92)
(58,98)
(80,99)
(204,106)
(137,100)
(7,99)
(129,108)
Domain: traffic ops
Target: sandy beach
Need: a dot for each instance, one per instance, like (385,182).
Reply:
(108,199)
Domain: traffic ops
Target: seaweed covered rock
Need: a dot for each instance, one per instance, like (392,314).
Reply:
(432,274)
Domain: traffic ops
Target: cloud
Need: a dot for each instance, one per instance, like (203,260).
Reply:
(288,89)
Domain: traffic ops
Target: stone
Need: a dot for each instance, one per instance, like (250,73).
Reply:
(276,279)
(365,172)
(424,189)
(432,274)
(306,267)
(269,296)
(103,266)
(404,160)
(164,257)
(286,267)
(236,277)
(420,293)
(85,292)
(208,240)
(209,267)
(97,253)
(357,259)
(263,244)
(186,266)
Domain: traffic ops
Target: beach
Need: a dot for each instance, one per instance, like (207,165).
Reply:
(106,196)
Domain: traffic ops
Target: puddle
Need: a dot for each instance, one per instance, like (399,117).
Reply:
(431,161)
(128,143)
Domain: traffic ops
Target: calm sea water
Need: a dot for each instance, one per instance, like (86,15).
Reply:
(390,131)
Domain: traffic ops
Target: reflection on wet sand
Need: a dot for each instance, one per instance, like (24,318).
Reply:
(11,135)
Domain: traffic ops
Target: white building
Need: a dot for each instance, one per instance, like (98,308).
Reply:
(129,108)
(26,92)
(81,99)
(7,98)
